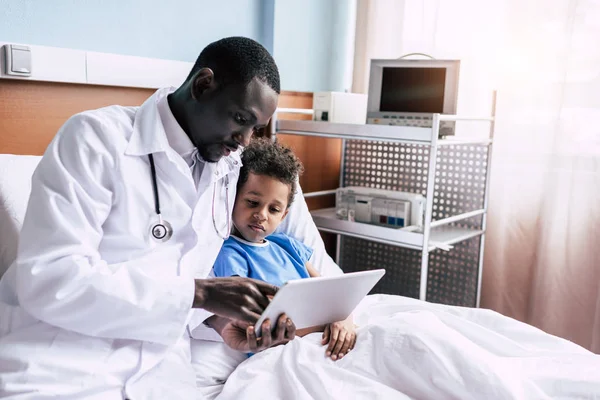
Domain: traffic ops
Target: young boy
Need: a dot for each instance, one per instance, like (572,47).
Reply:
(265,190)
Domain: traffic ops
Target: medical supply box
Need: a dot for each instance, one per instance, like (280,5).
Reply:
(340,107)
(380,207)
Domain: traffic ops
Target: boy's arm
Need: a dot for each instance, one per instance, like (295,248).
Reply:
(299,225)
(312,272)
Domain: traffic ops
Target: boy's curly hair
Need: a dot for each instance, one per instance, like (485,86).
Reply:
(272,159)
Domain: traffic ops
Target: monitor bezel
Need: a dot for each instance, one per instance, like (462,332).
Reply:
(376,75)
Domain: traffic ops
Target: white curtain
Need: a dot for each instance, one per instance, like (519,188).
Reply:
(542,255)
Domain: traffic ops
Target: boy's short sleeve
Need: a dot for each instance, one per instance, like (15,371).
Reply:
(301,252)
(304,252)
(230,262)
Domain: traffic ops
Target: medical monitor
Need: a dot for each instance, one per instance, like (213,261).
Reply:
(403,91)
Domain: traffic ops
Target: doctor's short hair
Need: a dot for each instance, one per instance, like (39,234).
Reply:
(238,60)
(267,158)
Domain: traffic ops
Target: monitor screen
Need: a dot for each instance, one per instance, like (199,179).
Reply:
(419,90)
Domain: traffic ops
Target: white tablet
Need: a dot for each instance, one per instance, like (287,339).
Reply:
(318,301)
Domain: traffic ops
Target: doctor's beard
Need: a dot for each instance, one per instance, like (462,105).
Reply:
(213,152)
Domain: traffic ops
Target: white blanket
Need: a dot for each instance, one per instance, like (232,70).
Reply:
(411,349)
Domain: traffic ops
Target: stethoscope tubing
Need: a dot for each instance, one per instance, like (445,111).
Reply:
(166,225)
(154,184)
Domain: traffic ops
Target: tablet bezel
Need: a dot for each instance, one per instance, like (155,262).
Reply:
(359,282)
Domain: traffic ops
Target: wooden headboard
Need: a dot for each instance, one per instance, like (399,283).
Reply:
(321,158)
(31,112)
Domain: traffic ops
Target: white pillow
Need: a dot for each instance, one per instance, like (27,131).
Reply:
(15,187)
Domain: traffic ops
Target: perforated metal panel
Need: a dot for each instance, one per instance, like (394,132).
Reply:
(460,181)
(403,266)
(459,187)
(452,275)
(391,166)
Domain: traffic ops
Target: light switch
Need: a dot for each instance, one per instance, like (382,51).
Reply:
(17,60)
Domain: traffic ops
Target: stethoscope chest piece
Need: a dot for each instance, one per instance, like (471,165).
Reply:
(161,231)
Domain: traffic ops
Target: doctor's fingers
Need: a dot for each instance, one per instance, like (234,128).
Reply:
(245,308)
(259,291)
(290,329)
(248,313)
(280,332)
(264,342)
(251,339)
(254,303)
(286,330)
(266,289)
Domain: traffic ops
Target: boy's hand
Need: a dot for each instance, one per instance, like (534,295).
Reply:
(341,337)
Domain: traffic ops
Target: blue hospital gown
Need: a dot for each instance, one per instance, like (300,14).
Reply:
(278,260)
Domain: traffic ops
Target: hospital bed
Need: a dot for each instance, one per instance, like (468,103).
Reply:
(406,348)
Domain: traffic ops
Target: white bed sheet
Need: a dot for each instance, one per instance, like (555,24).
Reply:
(408,349)
(15,186)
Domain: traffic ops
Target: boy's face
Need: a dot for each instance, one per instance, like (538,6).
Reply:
(260,206)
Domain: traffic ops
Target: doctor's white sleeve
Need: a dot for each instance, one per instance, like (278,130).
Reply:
(61,277)
(300,225)
(196,326)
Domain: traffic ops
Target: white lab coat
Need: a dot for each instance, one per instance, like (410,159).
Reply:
(92,307)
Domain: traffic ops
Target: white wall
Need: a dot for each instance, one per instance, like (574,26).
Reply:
(172,30)
(468,30)
(311,40)
(313,43)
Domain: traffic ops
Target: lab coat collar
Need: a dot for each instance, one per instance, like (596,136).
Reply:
(178,139)
(148,135)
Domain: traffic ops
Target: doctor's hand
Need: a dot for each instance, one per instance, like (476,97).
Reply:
(240,335)
(235,298)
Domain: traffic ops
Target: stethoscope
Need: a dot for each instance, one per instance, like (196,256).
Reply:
(162,230)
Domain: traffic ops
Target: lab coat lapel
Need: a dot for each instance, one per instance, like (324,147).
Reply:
(213,183)
(149,137)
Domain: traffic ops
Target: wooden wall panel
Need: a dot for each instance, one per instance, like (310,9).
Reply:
(321,158)
(31,112)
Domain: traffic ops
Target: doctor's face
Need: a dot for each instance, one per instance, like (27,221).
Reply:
(225,118)
(260,206)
